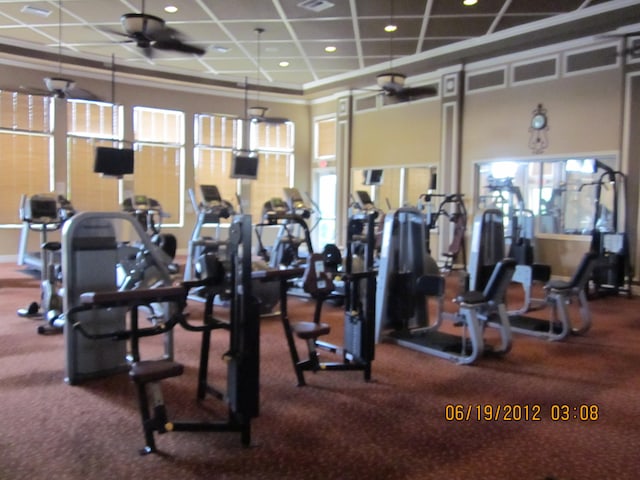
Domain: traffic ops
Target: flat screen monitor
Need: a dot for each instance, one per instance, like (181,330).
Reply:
(373,177)
(245,166)
(210,193)
(364,200)
(113,162)
(42,207)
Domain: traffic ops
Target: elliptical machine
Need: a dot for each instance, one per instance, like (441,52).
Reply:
(293,232)
(210,213)
(149,213)
(45,213)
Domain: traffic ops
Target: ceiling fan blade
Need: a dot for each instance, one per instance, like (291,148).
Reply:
(178,46)
(171,39)
(271,120)
(82,94)
(414,92)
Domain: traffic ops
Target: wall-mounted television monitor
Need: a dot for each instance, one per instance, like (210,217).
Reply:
(113,162)
(373,177)
(245,165)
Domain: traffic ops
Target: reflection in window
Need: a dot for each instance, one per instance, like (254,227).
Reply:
(400,186)
(559,194)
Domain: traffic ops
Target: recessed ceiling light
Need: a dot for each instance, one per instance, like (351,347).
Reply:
(330,49)
(284,64)
(220,49)
(468,3)
(171,9)
(390,28)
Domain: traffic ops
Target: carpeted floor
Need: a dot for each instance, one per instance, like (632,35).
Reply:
(337,427)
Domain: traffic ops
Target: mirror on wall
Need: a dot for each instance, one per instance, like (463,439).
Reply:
(393,187)
(559,194)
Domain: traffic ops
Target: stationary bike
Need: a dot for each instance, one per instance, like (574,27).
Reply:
(45,213)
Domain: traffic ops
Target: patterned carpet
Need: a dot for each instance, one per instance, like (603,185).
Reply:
(338,426)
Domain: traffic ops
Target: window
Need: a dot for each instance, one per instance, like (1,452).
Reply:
(159,159)
(26,146)
(91,125)
(558,194)
(274,142)
(325,139)
(216,137)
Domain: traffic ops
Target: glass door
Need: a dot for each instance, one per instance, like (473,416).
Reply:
(324,197)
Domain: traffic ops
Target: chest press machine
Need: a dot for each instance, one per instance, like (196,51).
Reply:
(242,357)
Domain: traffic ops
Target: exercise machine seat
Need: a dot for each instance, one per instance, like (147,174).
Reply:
(580,277)
(496,287)
(310,330)
(317,283)
(146,371)
(471,298)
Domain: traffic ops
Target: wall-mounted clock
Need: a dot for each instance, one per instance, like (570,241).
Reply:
(538,128)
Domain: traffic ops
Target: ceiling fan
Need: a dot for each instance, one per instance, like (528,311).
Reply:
(151,33)
(59,86)
(392,83)
(258,112)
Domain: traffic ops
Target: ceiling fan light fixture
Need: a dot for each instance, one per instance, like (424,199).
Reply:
(141,23)
(59,85)
(257,111)
(391,81)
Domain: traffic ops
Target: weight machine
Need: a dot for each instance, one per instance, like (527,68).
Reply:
(613,273)
(357,352)
(519,238)
(241,359)
(408,277)
(92,261)
(487,250)
(451,207)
